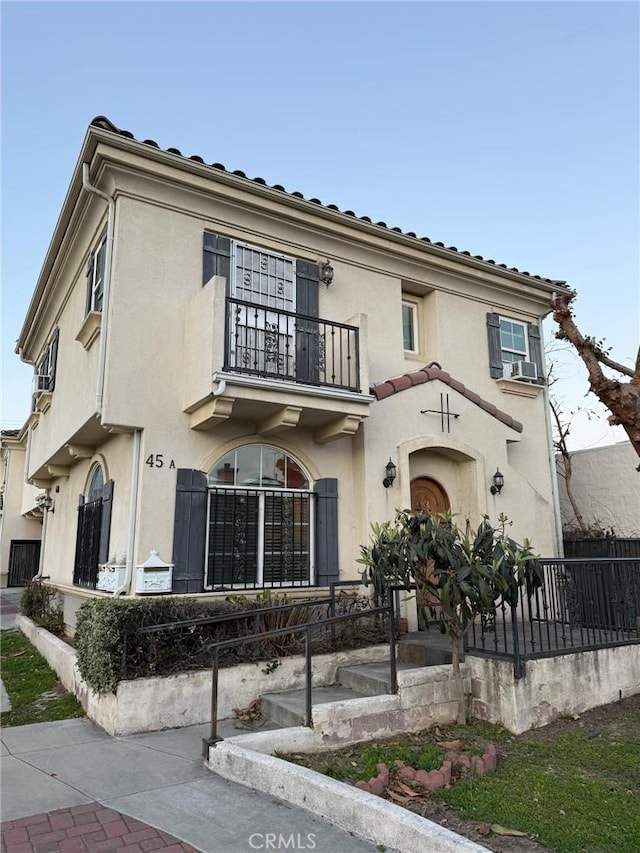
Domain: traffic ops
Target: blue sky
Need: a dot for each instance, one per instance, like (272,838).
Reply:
(509,129)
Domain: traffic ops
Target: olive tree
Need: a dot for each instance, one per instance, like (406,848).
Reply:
(462,576)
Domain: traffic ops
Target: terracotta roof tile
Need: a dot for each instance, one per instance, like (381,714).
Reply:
(434,371)
(457,386)
(401,383)
(104,124)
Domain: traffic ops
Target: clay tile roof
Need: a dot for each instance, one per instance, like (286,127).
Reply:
(103,123)
(434,371)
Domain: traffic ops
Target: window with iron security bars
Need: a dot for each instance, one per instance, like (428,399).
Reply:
(259,538)
(88,544)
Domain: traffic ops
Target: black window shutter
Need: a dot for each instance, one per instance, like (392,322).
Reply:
(307,275)
(495,347)
(307,304)
(327,567)
(79,541)
(90,265)
(189,531)
(535,351)
(216,256)
(105,522)
(53,358)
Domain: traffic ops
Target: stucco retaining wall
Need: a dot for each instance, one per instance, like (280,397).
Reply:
(152,704)
(373,818)
(553,687)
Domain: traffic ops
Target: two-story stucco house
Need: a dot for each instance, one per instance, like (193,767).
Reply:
(224,370)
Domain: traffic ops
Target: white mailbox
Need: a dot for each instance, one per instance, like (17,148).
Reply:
(154,575)
(110,576)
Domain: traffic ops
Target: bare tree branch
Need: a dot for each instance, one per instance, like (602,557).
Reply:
(621,398)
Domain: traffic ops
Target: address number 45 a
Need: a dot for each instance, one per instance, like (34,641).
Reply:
(156,460)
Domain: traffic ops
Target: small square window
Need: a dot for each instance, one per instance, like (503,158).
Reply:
(513,341)
(410,326)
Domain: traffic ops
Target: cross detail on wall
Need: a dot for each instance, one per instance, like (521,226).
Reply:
(445,413)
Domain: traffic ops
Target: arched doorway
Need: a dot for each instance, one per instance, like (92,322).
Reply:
(427,495)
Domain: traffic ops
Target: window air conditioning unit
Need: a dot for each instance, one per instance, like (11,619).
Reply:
(524,371)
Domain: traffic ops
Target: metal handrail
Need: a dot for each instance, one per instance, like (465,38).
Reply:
(307,627)
(243,614)
(561,561)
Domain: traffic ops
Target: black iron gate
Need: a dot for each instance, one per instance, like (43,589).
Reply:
(88,544)
(24,558)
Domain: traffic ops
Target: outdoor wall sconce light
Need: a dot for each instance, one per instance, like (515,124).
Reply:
(45,502)
(390,469)
(326,272)
(498,482)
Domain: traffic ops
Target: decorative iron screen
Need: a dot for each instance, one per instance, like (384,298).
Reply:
(85,571)
(258,538)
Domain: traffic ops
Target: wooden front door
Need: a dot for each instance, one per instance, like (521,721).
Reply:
(427,495)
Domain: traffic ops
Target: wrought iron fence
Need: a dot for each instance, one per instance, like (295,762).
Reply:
(603,546)
(273,343)
(582,605)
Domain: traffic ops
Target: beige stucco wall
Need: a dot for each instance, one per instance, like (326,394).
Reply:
(165,345)
(17,498)
(552,687)
(606,486)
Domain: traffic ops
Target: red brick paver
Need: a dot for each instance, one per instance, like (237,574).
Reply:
(90,828)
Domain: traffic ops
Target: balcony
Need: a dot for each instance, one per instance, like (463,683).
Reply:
(274,344)
(282,370)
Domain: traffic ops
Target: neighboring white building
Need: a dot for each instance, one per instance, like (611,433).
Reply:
(223,370)
(20,517)
(606,486)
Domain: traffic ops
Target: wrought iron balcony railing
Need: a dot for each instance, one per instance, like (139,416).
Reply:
(268,342)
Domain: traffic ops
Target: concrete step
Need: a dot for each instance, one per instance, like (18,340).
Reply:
(289,709)
(369,679)
(424,648)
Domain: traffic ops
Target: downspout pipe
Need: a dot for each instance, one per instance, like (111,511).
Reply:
(43,538)
(104,319)
(552,462)
(133,505)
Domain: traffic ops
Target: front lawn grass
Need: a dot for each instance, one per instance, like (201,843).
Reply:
(573,792)
(572,786)
(362,764)
(34,690)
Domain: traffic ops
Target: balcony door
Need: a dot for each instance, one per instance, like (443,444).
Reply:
(272,330)
(263,331)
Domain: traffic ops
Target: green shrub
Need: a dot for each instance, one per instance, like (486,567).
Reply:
(111,645)
(41,603)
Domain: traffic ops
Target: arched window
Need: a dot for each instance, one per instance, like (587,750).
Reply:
(259,466)
(260,520)
(95,483)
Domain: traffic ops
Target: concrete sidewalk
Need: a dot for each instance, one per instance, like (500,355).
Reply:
(68,787)
(81,788)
